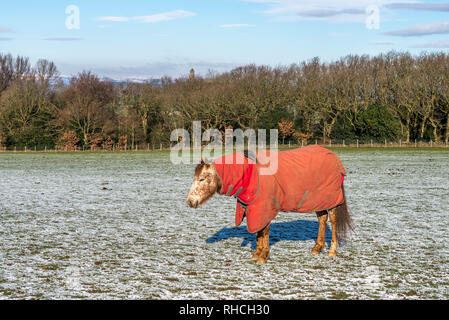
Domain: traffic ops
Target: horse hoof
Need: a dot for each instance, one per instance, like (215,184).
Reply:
(261,260)
(332,254)
(315,252)
(254,258)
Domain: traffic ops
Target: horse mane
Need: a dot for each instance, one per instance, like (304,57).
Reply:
(199,167)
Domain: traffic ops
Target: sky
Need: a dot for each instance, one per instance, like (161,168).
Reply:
(143,39)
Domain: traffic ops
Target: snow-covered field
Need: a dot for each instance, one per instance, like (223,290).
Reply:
(116,226)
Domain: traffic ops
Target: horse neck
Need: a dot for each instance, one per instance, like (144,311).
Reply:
(219,182)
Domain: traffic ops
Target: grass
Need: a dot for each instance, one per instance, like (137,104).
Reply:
(402,243)
(50,267)
(339,295)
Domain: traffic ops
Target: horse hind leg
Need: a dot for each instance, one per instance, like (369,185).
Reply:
(322,219)
(334,243)
(263,245)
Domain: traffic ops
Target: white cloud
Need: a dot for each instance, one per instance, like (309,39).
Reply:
(160,17)
(236,25)
(384,43)
(63,39)
(327,10)
(421,30)
(438,45)
(115,19)
(420,6)
(4,29)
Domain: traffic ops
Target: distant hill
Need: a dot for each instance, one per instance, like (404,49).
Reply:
(157,81)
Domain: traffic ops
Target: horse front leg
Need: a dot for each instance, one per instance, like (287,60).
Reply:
(322,219)
(263,245)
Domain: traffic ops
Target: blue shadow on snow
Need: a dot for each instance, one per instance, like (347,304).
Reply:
(300,230)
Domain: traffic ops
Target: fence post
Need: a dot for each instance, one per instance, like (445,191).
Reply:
(400,143)
(385,143)
(343,142)
(357,143)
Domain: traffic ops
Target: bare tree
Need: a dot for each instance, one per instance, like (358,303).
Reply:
(88,104)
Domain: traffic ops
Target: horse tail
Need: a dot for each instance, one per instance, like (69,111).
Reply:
(344,220)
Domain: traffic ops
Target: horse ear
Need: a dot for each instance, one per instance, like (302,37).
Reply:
(202,160)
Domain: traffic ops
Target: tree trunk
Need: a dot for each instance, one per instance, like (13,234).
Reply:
(324,131)
(85,137)
(132,139)
(446,134)
(434,125)
(145,128)
(330,126)
(307,127)
(407,130)
(423,128)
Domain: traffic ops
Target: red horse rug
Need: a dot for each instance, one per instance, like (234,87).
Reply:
(307,179)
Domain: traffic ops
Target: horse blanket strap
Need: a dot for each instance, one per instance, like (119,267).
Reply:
(303,199)
(276,203)
(231,187)
(239,190)
(307,179)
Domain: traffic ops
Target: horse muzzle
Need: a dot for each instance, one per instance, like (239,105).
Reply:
(192,203)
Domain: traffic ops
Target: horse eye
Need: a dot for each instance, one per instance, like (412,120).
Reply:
(201,180)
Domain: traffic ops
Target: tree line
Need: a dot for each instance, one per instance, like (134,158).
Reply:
(388,96)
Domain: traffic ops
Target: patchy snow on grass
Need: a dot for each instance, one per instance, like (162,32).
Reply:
(116,226)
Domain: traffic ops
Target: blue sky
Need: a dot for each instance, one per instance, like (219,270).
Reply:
(137,38)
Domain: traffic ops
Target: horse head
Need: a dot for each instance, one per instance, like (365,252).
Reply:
(205,184)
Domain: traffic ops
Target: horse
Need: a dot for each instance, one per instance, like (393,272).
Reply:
(308,179)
